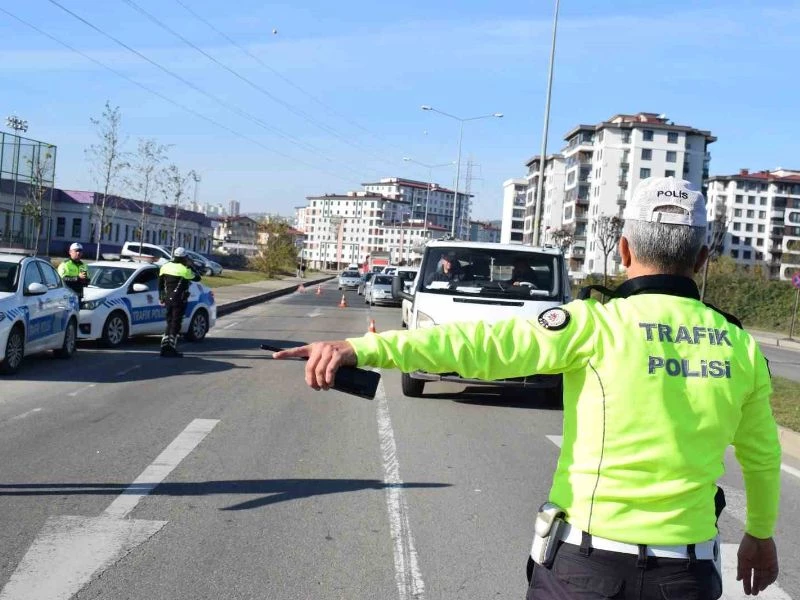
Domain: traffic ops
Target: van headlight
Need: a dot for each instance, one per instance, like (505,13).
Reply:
(424,321)
(90,304)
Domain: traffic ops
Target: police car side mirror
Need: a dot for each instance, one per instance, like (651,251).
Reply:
(36,289)
(140,287)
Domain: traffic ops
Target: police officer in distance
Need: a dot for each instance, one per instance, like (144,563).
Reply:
(173,291)
(74,271)
(632,511)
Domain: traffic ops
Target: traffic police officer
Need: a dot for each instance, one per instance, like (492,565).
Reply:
(656,386)
(173,291)
(74,271)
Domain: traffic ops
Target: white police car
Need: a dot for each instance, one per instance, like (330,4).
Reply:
(37,311)
(121,300)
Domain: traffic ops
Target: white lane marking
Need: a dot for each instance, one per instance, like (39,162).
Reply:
(70,550)
(83,389)
(732,589)
(234,324)
(406,564)
(790,470)
(735,506)
(162,466)
(25,414)
(128,370)
(315,313)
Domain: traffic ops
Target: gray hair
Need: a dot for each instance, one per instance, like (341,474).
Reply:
(670,248)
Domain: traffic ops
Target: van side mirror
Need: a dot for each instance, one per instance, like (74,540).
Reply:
(398,293)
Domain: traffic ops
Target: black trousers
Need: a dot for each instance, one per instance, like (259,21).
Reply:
(174,318)
(604,574)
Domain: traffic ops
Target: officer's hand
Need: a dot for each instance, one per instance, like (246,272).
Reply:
(758,564)
(324,359)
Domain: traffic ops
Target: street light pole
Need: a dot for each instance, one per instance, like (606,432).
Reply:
(458,162)
(17,124)
(543,155)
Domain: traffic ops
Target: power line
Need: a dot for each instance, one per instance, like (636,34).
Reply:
(167,99)
(248,81)
(238,111)
(282,77)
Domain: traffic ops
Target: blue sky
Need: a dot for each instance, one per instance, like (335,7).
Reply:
(354,74)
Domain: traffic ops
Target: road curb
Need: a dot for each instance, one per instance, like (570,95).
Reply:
(230,307)
(784,343)
(790,442)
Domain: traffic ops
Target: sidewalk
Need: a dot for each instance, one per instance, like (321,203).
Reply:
(231,298)
(236,297)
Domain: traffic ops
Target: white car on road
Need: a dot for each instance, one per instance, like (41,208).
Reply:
(121,300)
(37,311)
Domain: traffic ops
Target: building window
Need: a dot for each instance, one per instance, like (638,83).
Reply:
(762,214)
(735,253)
(737,212)
(751,199)
(647,135)
(61,226)
(735,239)
(761,229)
(669,173)
(739,198)
(747,254)
(737,226)
(751,214)
(644,173)
(116,232)
(626,137)
(748,227)
(763,201)
(76,228)
(748,241)
(672,137)
(672,156)
(647,154)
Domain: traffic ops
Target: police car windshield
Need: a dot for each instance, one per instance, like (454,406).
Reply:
(108,278)
(8,276)
(487,272)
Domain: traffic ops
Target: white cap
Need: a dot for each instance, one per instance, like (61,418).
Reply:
(654,192)
(76,246)
(179,251)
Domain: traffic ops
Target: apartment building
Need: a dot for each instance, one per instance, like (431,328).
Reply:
(427,201)
(484,231)
(513,217)
(761,215)
(553,193)
(602,164)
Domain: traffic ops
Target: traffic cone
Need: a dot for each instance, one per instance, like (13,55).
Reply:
(319,290)
(343,302)
(372,326)
(301,288)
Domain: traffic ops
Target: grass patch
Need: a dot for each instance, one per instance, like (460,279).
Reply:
(786,402)
(231,277)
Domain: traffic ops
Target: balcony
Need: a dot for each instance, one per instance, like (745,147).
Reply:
(623,183)
(577,252)
(621,201)
(582,201)
(777,214)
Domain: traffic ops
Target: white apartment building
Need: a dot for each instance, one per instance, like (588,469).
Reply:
(427,201)
(761,212)
(603,163)
(513,217)
(345,228)
(300,215)
(553,192)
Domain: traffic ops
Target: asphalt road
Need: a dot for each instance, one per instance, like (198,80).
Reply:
(782,362)
(127,476)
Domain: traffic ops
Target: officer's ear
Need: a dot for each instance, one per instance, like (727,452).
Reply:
(625,252)
(702,257)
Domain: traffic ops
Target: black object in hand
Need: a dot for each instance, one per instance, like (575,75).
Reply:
(350,380)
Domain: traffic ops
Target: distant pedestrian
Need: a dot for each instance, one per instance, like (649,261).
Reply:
(303,270)
(74,271)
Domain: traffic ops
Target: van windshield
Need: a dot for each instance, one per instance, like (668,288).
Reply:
(513,274)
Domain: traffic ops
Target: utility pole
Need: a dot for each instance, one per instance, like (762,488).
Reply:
(17,124)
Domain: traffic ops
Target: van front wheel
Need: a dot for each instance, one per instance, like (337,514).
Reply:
(412,388)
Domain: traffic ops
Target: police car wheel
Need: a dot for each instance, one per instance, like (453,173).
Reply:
(15,351)
(69,346)
(412,388)
(198,327)
(115,330)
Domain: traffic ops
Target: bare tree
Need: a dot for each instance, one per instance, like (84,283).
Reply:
(145,179)
(718,228)
(108,161)
(608,231)
(42,166)
(564,237)
(174,189)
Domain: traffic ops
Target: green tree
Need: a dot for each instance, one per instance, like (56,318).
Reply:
(41,187)
(277,253)
(609,230)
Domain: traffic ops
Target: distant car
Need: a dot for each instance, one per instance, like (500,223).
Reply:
(37,311)
(390,270)
(206,266)
(380,290)
(364,283)
(349,279)
(121,300)
(157,255)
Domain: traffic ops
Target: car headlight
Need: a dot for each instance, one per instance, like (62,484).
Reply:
(90,304)
(424,321)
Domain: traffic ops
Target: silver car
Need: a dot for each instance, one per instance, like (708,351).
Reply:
(349,279)
(380,290)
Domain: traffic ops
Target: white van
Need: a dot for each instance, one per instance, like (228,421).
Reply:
(487,282)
